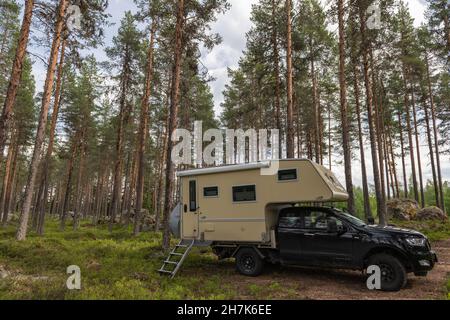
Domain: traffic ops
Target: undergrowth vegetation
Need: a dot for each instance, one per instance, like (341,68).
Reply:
(119,266)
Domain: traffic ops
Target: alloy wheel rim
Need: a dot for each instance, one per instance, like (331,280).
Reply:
(248,263)
(387,273)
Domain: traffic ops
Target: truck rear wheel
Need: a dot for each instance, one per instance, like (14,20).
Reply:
(248,262)
(393,273)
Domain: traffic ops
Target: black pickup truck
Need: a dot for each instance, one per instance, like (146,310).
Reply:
(328,237)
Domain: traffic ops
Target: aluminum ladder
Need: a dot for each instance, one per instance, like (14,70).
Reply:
(176,258)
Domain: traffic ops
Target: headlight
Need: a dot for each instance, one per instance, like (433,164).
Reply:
(416,242)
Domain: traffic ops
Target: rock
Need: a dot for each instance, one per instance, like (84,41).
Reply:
(4,273)
(402,209)
(94,265)
(431,213)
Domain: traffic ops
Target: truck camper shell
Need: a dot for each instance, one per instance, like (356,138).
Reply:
(240,203)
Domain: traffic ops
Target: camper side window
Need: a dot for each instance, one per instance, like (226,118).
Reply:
(244,193)
(210,192)
(287,175)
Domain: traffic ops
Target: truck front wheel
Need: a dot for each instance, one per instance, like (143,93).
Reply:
(393,273)
(248,262)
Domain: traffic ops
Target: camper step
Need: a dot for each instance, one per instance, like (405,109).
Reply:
(170,262)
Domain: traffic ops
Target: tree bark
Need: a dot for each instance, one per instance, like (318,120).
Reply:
(23,223)
(10,187)
(276,63)
(51,141)
(290,146)
(410,138)
(367,208)
(315,104)
(7,175)
(430,148)
(70,164)
(402,147)
(435,134)
(344,111)
(173,117)
(416,135)
(143,132)
(381,205)
(16,74)
(123,115)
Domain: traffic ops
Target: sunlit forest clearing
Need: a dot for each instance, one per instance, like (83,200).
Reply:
(86,170)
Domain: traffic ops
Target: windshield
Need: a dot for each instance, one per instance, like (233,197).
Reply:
(351,218)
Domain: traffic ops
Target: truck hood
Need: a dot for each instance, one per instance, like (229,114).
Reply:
(394,231)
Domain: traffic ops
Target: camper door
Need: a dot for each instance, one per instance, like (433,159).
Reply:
(190,208)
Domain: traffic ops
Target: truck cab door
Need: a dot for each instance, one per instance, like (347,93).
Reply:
(322,248)
(290,233)
(190,222)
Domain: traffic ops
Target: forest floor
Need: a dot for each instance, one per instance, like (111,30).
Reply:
(119,266)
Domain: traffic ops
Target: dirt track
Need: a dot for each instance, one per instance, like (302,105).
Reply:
(307,283)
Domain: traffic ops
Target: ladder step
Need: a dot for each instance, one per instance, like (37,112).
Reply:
(176,264)
(164,271)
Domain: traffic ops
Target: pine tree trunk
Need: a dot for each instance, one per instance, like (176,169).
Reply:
(344,110)
(69,174)
(430,148)
(123,116)
(315,104)
(402,147)
(51,142)
(367,208)
(436,137)
(173,118)
(143,132)
(410,138)
(416,135)
(7,175)
(10,186)
(16,74)
(276,63)
(381,205)
(79,192)
(23,223)
(393,163)
(377,105)
(290,146)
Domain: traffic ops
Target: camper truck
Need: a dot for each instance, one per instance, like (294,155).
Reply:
(281,212)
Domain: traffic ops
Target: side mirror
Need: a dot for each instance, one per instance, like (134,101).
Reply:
(332,226)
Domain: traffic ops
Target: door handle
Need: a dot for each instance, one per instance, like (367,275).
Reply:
(308,234)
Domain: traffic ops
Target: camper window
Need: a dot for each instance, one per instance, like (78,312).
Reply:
(192,196)
(287,175)
(244,193)
(209,192)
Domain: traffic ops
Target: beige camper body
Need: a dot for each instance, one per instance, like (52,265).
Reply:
(240,203)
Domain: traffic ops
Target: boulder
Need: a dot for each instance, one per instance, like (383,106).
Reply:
(431,213)
(402,209)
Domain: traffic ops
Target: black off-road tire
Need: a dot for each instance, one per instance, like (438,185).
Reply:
(393,272)
(248,262)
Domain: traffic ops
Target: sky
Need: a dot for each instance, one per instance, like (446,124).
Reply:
(232,26)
